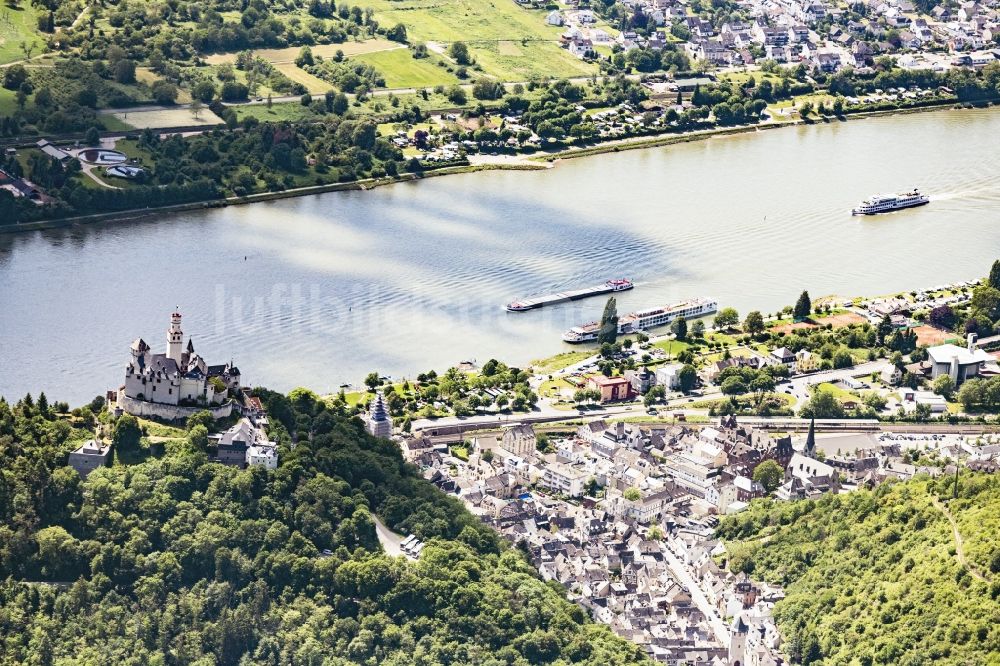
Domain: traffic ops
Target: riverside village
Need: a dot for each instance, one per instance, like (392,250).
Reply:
(612,469)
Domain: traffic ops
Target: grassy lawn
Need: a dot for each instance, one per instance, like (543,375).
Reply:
(8,102)
(672,347)
(559,361)
(86,181)
(110,122)
(401,70)
(553,388)
(16,26)
(743,77)
(724,338)
(154,429)
(357,397)
(131,148)
(837,392)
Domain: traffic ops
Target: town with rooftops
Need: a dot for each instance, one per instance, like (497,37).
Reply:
(623,510)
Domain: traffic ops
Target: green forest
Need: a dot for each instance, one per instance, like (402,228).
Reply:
(877,577)
(174,559)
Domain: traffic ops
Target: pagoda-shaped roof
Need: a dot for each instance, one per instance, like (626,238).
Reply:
(378,411)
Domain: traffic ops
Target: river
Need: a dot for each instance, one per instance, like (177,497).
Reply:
(319,290)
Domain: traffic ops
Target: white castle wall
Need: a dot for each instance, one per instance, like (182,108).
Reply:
(169,412)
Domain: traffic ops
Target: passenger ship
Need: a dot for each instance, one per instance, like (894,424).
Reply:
(883,203)
(645,319)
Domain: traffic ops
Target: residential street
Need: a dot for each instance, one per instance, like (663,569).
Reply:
(684,577)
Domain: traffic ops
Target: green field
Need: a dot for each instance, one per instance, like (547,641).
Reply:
(286,111)
(510,42)
(8,102)
(16,26)
(560,361)
(313,84)
(520,61)
(110,121)
(402,70)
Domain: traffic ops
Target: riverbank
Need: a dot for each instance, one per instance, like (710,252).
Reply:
(524,162)
(366,184)
(661,140)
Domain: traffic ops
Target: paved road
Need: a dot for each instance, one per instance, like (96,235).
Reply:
(799,386)
(684,577)
(390,540)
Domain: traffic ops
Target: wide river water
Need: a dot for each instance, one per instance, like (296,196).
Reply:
(320,290)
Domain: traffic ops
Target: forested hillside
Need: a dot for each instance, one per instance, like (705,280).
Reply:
(176,560)
(878,577)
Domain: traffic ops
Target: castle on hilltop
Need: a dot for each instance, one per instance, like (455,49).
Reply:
(178,383)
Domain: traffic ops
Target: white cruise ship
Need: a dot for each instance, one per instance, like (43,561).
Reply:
(883,203)
(645,319)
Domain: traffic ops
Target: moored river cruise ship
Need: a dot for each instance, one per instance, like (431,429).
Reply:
(642,320)
(883,203)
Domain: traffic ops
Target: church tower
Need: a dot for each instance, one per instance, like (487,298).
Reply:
(810,448)
(738,641)
(175,342)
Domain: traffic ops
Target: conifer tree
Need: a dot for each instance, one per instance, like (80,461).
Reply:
(608,332)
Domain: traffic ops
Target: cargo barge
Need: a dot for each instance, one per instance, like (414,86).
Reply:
(609,287)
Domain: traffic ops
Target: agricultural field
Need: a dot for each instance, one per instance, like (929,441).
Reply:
(286,111)
(510,42)
(18,24)
(402,70)
(313,84)
(149,77)
(520,61)
(277,56)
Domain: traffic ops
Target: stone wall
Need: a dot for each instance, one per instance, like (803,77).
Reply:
(169,412)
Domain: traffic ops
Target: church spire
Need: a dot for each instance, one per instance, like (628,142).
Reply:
(810,449)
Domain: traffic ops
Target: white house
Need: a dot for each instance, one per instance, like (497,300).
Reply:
(554,18)
(668,376)
(264,455)
(564,479)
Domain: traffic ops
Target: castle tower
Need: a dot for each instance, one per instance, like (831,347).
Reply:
(175,342)
(138,348)
(378,423)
